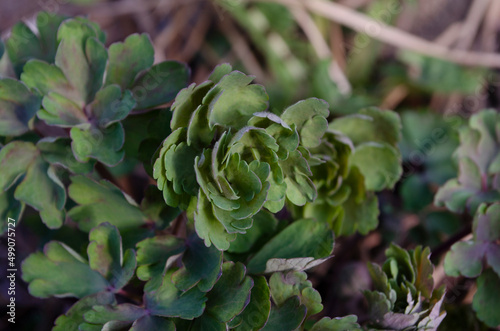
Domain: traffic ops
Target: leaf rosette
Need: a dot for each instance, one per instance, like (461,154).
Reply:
(478,160)
(230,157)
(404,297)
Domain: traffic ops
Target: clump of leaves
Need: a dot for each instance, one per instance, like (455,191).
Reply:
(356,157)
(230,167)
(69,80)
(227,161)
(479,166)
(404,297)
(480,257)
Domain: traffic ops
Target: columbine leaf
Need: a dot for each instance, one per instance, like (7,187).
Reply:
(370,125)
(466,258)
(24,45)
(256,313)
(81,57)
(57,150)
(60,271)
(102,202)
(379,163)
(485,301)
(287,285)
(232,95)
(208,226)
(106,256)
(74,316)
(110,105)
(41,177)
(309,117)
(478,166)
(15,159)
(112,317)
(231,293)
(153,254)
(104,145)
(166,300)
(146,323)
(347,323)
(18,105)
(159,84)
(360,210)
(9,208)
(289,316)
(22,158)
(202,266)
(128,58)
(304,238)
(264,226)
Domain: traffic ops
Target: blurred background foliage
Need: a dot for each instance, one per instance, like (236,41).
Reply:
(384,55)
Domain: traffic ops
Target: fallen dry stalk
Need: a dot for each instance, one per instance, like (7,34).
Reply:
(391,35)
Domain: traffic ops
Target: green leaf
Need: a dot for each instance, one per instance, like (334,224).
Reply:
(208,226)
(263,227)
(41,177)
(153,254)
(102,202)
(57,150)
(114,317)
(443,76)
(60,271)
(106,256)
(74,316)
(347,323)
(104,145)
(303,238)
(464,258)
(18,105)
(9,208)
(289,316)
(370,125)
(23,44)
(160,84)
(256,313)
(476,156)
(299,186)
(309,117)
(360,210)
(81,57)
(187,101)
(467,257)
(287,285)
(110,106)
(231,293)
(15,159)
(22,158)
(485,301)
(166,300)
(220,71)
(128,58)
(202,266)
(147,323)
(2,48)
(234,95)
(379,163)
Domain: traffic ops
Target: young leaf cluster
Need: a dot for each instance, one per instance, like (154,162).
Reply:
(404,297)
(61,112)
(477,191)
(228,157)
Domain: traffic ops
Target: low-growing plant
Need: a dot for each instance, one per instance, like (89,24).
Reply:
(477,191)
(211,249)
